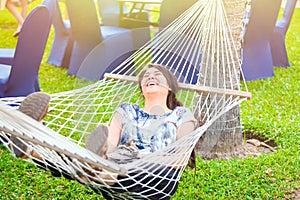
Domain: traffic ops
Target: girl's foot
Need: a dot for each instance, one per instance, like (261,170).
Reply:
(35,106)
(97,141)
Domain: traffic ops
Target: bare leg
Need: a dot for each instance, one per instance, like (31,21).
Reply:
(24,8)
(14,11)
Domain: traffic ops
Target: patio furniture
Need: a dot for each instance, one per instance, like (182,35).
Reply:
(256,51)
(169,12)
(109,12)
(115,13)
(88,35)
(63,42)
(278,48)
(21,77)
(7,54)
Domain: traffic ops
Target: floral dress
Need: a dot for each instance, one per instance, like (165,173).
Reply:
(151,132)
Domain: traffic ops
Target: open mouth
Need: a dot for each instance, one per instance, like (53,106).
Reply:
(151,83)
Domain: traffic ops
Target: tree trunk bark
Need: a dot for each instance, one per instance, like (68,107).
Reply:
(224,137)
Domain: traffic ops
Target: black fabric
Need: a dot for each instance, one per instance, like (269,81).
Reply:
(54,170)
(192,160)
(151,186)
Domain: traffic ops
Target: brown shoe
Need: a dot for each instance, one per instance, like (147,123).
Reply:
(35,106)
(97,141)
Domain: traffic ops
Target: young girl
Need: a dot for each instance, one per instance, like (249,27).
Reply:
(143,130)
(140,130)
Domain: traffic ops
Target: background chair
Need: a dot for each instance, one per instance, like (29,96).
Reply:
(110,12)
(110,16)
(278,48)
(20,78)
(7,54)
(169,11)
(51,5)
(256,51)
(109,44)
(63,42)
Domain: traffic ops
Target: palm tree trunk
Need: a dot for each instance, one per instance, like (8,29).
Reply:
(224,137)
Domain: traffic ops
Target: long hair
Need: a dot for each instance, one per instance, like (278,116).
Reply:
(172,101)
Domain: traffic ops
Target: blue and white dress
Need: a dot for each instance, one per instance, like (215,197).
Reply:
(151,132)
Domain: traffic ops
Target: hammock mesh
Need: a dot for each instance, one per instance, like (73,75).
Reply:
(198,47)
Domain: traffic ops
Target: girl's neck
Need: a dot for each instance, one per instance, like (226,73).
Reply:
(156,106)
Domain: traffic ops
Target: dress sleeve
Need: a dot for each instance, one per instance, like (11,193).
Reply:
(121,109)
(185,115)
(126,110)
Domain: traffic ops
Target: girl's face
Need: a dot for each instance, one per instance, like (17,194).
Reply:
(154,81)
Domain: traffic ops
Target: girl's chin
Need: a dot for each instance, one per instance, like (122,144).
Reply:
(151,88)
(151,92)
(154,89)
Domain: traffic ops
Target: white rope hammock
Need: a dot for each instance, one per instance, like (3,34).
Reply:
(197,47)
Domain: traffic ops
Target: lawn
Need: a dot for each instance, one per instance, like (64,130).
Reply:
(273,112)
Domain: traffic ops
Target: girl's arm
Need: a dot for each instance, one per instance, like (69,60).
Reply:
(185,128)
(114,131)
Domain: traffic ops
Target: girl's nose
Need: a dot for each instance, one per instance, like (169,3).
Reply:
(151,76)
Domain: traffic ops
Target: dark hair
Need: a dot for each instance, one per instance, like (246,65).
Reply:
(172,101)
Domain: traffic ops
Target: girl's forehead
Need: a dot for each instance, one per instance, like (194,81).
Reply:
(152,69)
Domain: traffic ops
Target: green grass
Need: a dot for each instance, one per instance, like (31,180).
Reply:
(273,113)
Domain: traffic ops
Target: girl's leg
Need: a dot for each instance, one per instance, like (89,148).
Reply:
(97,141)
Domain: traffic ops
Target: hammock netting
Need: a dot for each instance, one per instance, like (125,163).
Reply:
(198,47)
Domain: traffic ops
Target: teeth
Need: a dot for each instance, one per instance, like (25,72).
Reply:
(152,83)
